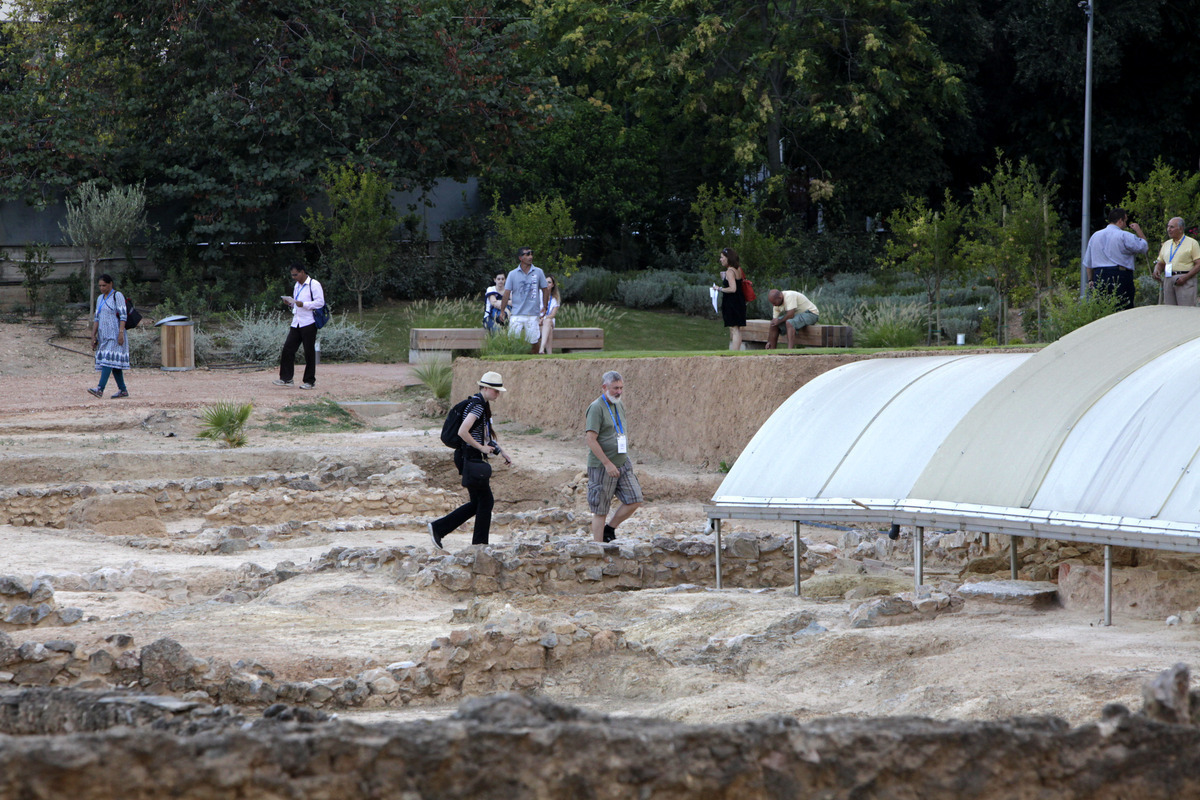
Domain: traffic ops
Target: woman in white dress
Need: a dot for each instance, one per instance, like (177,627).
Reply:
(552,305)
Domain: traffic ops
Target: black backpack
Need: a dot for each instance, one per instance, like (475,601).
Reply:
(132,315)
(454,420)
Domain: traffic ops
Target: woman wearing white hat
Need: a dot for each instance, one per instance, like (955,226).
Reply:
(478,442)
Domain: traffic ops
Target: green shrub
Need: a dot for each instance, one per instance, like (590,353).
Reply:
(1065,311)
(205,346)
(590,285)
(1146,290)
(644,293)
(583,315)
(503,343)
(459,268)
(438,376)
(63,314)
(257,335)
(953,326)
(443,313)
(968,296)
(834,307)
(36,267)
(888,324)
(342,340)
(694,300)
(143,347)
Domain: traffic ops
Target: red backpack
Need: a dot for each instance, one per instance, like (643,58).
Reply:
(748,290)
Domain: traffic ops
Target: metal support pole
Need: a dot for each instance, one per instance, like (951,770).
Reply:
(1013,543)
(1108,584)
(987,542)
(919,558)
(717,529)
(1089,8)
(796,554)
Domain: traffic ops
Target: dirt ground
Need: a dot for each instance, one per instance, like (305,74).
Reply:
(701,657)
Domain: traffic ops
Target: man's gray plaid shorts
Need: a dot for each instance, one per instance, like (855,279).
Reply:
(602,487)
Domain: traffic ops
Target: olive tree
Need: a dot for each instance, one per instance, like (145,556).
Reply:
(102,222)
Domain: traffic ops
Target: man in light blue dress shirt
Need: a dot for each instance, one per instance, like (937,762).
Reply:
(1110,256)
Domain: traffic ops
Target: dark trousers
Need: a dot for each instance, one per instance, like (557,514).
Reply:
(287,362)
(479,505)
(1118,281)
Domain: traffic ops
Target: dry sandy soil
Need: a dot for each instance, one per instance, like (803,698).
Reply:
(985,662)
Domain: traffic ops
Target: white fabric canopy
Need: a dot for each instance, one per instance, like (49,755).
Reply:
(1090,439)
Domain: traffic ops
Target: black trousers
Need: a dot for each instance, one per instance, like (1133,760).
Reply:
(479,504)
(1117,280)
(287,362)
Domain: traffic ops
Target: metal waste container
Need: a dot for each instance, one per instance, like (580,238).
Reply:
(178,343)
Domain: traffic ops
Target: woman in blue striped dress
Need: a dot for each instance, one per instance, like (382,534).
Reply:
(109,339)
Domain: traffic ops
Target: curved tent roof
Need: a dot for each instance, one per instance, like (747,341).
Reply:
(1078,441)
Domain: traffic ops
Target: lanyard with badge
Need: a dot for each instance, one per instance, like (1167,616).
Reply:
(622,442)
(1171,258)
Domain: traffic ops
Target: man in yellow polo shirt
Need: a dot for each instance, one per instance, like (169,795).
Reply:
(791,312)
(1177,265)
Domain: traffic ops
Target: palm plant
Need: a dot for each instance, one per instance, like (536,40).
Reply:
(226,421)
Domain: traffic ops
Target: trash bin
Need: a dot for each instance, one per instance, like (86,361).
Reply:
(178,343)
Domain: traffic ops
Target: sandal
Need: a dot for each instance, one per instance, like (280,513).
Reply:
(120,394)
(95,392)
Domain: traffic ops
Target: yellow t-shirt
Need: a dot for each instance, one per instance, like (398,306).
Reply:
(793,301)
(1179,259)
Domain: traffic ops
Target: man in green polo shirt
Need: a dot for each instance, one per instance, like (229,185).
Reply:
(610,472)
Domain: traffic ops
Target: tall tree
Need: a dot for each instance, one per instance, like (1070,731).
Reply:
(354,237)
(101,222)
(925,241)
(761,77)
(1014,232)
(229,109)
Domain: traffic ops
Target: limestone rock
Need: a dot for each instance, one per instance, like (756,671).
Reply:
(1035,594)
(125,514)
(165,663)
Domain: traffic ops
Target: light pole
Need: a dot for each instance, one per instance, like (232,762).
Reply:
(1089,10)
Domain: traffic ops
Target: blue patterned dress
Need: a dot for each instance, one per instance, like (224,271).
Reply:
(110,311)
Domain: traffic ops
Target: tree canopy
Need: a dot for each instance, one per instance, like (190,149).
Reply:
(229,110)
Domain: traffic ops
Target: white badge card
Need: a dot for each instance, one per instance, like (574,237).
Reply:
(622,443)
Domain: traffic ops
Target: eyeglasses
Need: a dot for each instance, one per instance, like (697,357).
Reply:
(527,253)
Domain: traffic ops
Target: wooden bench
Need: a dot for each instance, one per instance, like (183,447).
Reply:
(754,335)
(438,344)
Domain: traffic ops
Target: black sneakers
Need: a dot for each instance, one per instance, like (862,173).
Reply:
(610,533)
(433,537)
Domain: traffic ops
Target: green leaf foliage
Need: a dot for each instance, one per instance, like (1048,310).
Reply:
(354,235)
(545,225)
(226,421)
(229,110)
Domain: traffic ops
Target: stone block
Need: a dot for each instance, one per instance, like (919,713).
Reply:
(118,515)
(1032,594)
(883,611)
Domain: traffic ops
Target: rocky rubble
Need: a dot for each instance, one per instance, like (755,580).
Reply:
(516,652)
(904,607)
(65,504)
(581,566)
(24,604)
(516,746)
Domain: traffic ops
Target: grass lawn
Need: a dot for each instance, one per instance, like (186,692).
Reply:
(637,330)
(638,333)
